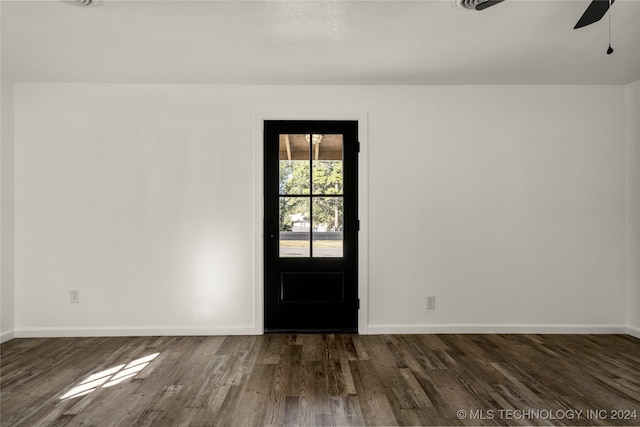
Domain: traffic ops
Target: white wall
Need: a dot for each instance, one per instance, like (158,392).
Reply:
(506,203)
(6,212)
(141,198)
(512,208)
(633,206)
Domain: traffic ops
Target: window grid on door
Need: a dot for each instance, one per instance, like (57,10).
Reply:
(311,197)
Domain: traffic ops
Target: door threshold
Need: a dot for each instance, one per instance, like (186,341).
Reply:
(311,331)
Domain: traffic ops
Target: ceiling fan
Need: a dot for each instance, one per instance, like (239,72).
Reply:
(594,12)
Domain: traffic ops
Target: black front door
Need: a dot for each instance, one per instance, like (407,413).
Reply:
(311,226)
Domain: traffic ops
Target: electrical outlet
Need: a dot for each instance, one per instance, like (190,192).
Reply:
(74,296)
(431,303)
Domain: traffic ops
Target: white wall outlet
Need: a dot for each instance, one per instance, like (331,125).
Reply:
(74,296)
(431,303)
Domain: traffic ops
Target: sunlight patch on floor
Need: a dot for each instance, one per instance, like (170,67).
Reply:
(110,377)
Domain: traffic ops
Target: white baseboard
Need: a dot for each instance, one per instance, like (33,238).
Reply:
(497,329)
(633,331)
(126,331)
(7,335)
(47,332)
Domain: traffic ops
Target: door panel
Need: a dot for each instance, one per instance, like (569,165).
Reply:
(311,225)
(318,287)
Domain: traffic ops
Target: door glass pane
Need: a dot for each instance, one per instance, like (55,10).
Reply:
(294,165)
(328,226)
(326,152)
(295,227)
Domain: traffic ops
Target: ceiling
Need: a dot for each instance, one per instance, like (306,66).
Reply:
(317,42)
(322,147)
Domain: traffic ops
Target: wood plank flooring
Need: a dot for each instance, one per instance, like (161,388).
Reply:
(322,380)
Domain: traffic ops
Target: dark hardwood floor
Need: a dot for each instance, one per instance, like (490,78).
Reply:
(328,380)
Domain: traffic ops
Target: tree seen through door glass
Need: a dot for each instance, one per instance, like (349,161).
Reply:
(327,165)
(295,227)
(294,166)
(328,229)
(310,171)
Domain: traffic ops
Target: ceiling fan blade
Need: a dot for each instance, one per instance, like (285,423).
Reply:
(594,13)
(488,3)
